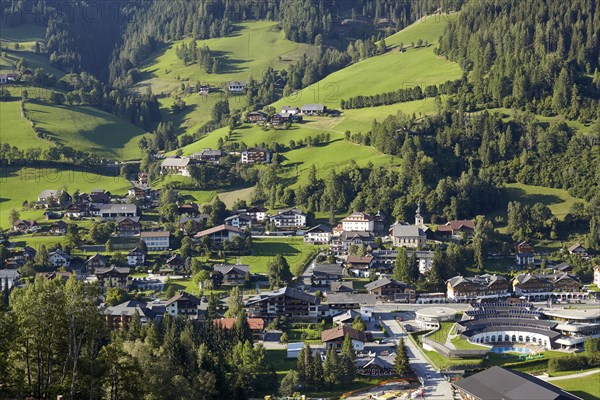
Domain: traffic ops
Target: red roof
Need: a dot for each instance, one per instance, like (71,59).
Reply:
(457,225)
(256,324)
(359,259)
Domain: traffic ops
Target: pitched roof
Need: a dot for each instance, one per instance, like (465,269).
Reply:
(312,107)
(256,324)
(112,268)
(359,259)
(575,247)
(352,235)
(216,229)
(507,384)
(319,228)
(285,291)
(401,230)
(340,332)
(129,308)
(328,269)
(384,282)
(341,286)
(175,162)
(126,208)
(150,234)
(226,268)
(358,216)
(362,299)
(183,296)
(457,225)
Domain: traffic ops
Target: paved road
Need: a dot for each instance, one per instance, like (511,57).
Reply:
(436,387)
(558,378)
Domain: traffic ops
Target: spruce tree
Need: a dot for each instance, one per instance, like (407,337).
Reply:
(401,266)
(401,363)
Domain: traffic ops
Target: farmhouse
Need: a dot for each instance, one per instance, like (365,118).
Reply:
(25,226)
(341,287)
(95,261)
(135,257)
(292,218)
(50,197)
(59,258)
(255,155)
(76,211)
(537,287)
(218,234)
(320,234)
(257,117)
(209,155)
(233,274)
(324,274)
(239,221)
(289,110)
(392,290)
(485,286)
(156,241)
(578,250)
(172,165)
(279,119)
(342,243)
(463,228)
(334,338)
(119,317)
(236,87)
(289,302)
(313,109)
(359,265)
(128,226)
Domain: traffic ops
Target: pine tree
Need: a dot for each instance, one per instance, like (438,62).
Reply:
(401,266)
(316,372)
(401,363)
(413,269)
(560,96)
(331,367)
(304,364)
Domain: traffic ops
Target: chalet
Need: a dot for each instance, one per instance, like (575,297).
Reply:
(99,196)
(188,209)
(341,287)
(198,221)
(156,241)
(239,221)
(8,277)
(296,305)
(49,215)
(138,192)
(51,198)
(175,262)
(288,110)
(236,87)
(257,117)
(256,325)
(485,286)
(209,155)
(113,211)
(392,290)
(62,275)
(324,274)
(59,258)
(320,234)
(405,235)
(334,338)
(142,178)
(95,261)
(458,229)
(25,226)
(313,109)
(27,253)
(542,286)
(258,214)
(350,301)
(524,253)
(376,365)
(184,304)
(178,166)
(58,228)
(76,211)
(278,119)
(113,277)
(359,265)
(136,257)
(341,244)
(288,219)
(578,250)
(119,317)
(358,222)
(233,274)
(255,155)
(218,234)
(128,226)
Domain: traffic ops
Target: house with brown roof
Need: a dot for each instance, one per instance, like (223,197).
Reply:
(233,274)
(257,326)
(524,253)
(58,228)
(218,234)
(578,250)
(257,117)
(462,228)
(128,226)
(359,265)
(387,289)
(255,155)
(113,277)
(25,225)
(358,222)
(334,337)
(184,304)
(487,286)
(542,286)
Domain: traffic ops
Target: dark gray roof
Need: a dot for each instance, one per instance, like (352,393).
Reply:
(339,286)
(285,291)
(383,282)
(506,384)
(319,228)
(400,230)
(226,268)
(328,269)
(351,298)
(129,308)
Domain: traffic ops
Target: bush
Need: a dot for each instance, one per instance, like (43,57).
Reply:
(573,363)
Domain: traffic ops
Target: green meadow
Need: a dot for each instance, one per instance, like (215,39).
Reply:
(586,387)
(20,184)
(88,129)
(428,29)
(16,130)
(558,200)
(294,250)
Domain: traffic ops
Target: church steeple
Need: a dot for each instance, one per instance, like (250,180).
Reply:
(418,217)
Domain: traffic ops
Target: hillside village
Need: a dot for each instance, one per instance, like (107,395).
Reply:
(300,199)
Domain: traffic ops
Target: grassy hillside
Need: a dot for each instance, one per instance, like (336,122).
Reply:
(427,29)
(20,184)
(88,129)
(16,130)
(558,200)
(586,387)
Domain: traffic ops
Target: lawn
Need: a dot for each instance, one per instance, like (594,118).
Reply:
(16,130)
(441,334)
(20,184)
(88,129)
(587,387)
(294,250)
(249,51)
(427,29)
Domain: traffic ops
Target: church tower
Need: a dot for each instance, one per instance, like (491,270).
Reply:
(418,217)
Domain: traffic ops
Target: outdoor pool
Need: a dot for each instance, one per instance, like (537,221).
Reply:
(502,349)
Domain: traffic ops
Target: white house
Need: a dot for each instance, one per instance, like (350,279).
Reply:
(236,87)
(172,165)
(239,221)
(596,280)
(288,110)
(292,218)
(156,241)
(358,222)
(319,234)
(10,276)
(112,211)
(135,258)
(334,338)
(59,258)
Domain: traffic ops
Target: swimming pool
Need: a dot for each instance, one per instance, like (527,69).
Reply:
(502,349)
